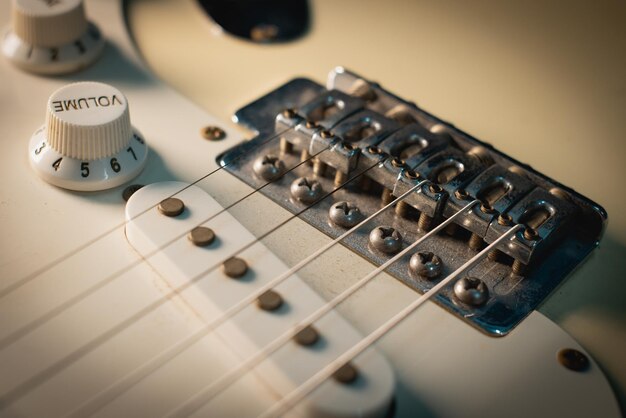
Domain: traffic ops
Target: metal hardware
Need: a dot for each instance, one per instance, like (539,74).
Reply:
(345,214)
(426,264)
(388,146)
(306,190)
(213,133)
(268,167)
(573,359)
(386,239)
(472,291)
(171,207)
(130,190)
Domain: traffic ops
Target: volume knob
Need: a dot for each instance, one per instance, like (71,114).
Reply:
(87,142)
(51,36)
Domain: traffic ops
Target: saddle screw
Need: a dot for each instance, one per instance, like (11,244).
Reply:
(461,194)
(487,208)
(505,219)
(472,291)
(435,188)
(425,264)
(326,134)
(344,214)
(531,234)
(306,190)
(397,162)
(289,113)
(268,167)
(411,174)
(386,239)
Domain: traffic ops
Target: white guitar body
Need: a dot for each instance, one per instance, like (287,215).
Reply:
(63,350)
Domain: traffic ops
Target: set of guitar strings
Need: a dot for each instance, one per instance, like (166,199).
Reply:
(216,387)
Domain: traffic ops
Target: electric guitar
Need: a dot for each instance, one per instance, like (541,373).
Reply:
(226,285)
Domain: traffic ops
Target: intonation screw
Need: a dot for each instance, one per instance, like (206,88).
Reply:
(386,239)
(311,124)
(213,133)
(306,190)
(518,267)
(319,167)
(472,291)
(425,264)
(387,196)
(345,214)
(424,222)
(476,242)
(268,167)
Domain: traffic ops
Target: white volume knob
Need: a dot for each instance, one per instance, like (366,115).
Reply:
(51,36)
(87,142)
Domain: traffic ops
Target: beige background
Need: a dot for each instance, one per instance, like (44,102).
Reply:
(543,81)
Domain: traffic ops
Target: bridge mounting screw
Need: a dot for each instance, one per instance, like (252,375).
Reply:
(345,214)
(472,291)
(268,167)
(213,133)
(425,264)
(306,190)
(386,239)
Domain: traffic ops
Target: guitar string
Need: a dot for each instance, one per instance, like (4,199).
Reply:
(58,309)
(205,395)
(32,382)
(295,396)
(50,265)
(116,389)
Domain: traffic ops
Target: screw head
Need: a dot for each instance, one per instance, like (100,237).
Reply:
(213,133)
(411,174)
(289,113)
(531,234)
(268,167)
(130,190)
(425,264)
(345,214)
(461,194)
(386,239)
(373,150)
(472,291)
(573,359)
(397,162)
(326,134)
(505,219)
(310,124)
(435,188)
(486,208)
(306,190)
